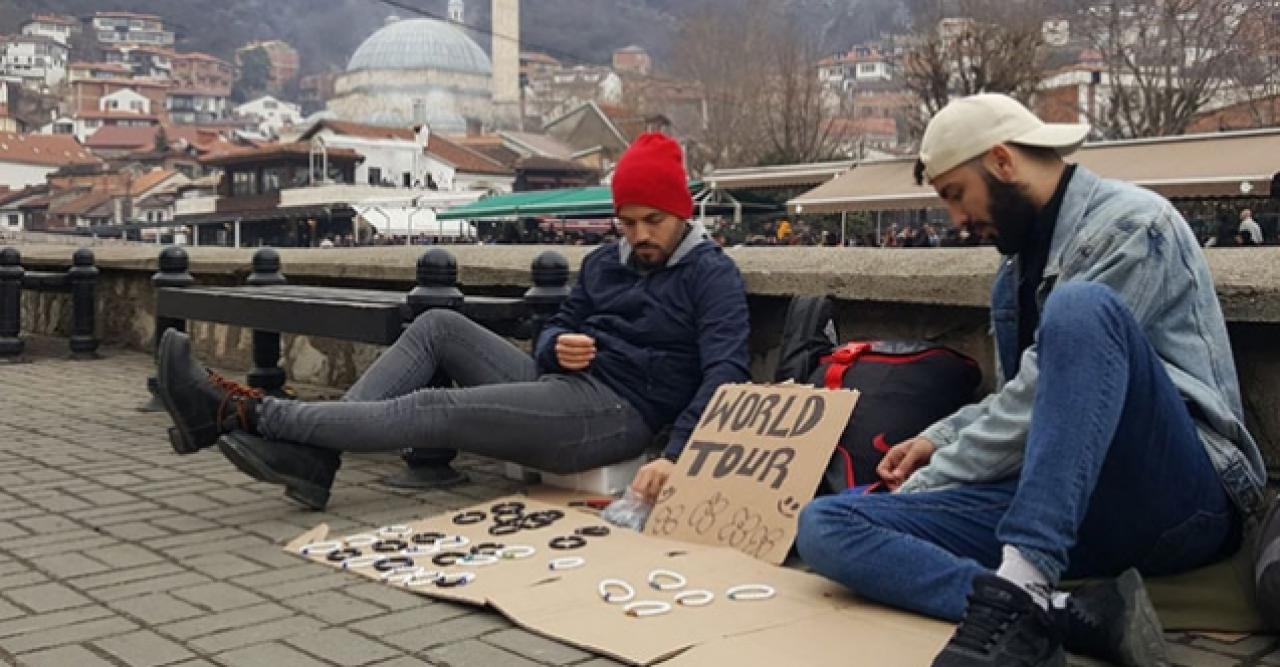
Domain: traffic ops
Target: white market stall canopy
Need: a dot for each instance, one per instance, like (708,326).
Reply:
(1225,164)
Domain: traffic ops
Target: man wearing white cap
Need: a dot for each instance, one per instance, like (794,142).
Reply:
(1115,442)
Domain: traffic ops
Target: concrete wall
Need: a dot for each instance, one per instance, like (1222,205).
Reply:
(938,295)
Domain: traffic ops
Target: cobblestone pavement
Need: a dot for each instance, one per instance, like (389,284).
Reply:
(115,551)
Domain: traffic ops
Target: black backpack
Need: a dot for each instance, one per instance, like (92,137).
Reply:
(905,387)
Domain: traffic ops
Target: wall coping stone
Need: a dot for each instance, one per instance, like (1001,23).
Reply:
(1247,279)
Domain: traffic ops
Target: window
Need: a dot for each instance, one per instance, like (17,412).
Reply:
(269,104)
(14,220)
(242,184)
(272,179)
(375,176)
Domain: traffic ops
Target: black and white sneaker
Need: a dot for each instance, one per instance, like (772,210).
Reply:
(1114,620)
(1003,626)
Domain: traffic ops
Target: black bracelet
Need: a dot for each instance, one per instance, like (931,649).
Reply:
(567,542)
(487,548)
(507,508)
(448,558)
(392,562)
(339,555)
(592,531)
(427,538)
(389,546)
(469,517)
(505,528)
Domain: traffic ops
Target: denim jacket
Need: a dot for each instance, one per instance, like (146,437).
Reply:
(1135,242)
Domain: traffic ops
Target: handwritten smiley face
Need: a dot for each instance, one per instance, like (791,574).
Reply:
(788,507)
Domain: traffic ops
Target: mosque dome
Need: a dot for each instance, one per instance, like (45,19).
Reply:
(420,44)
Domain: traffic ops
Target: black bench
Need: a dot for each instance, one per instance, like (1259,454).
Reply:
(80,280)
(270,306)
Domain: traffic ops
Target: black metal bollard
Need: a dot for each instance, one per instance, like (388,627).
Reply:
(437,283)
(266,374)
(11,344)
(173,272)
(83,276)
(550,288)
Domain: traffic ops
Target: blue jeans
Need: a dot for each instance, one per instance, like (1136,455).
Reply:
(1114,477)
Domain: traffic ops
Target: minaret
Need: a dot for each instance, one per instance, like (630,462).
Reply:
(506,63)
(457,11)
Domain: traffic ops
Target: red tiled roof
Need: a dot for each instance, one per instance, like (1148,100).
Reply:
(197,55)
(360,130)
(295,149)
(116,67)
(53,18)
(81,204)
(123,136)
(126,15)
(149,180)
(52,150)
(463,158)
(200,92)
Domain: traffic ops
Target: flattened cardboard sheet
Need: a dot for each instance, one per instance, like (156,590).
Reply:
(751,464)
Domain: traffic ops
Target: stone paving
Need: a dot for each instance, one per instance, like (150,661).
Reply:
(115,551)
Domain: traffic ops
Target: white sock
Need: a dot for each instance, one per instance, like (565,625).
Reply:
(1017,569)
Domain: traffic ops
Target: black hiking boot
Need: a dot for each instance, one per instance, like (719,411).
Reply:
(1114,620)
(306,472)
(1003,627)
(202,404)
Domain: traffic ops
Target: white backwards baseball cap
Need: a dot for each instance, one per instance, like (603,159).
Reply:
(968,127)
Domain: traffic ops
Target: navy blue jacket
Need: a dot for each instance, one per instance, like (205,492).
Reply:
(665,340)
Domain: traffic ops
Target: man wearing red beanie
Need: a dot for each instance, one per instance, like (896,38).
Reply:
(655,323)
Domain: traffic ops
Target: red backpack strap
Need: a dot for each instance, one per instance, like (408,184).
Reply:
(840,360)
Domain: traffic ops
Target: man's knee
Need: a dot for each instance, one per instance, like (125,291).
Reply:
(822,524)
(436,320)
(1074,309)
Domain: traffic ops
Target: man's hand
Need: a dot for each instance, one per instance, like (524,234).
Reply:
(651,478)
(575,351)
(903,459)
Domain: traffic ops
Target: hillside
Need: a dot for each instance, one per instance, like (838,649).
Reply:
(325,32)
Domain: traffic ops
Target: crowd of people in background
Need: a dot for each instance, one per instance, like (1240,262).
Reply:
(1227,231)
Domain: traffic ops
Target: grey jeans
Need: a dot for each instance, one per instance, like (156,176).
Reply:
(501,408)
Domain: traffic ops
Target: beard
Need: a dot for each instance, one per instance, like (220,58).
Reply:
(658,261)
(1012,214)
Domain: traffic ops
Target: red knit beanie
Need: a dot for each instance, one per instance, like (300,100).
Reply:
(651,173)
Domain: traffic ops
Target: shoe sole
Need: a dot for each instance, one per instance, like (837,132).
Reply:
(1143,644)
(312,496)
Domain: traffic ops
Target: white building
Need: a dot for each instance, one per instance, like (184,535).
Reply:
(36,59)
(125,107)
(861,65)
(273,115)
(112,28)
(405,158)
(58,28)
(26,159)
(190,106)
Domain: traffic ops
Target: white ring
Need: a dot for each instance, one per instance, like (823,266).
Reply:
(422,549)
(627,596)
(453,541)
(568,563)
(750,592)
(395,530)
(402,574)
(516,552)
(678,583)
(424,578)
(324,547)
(361,561)
(362,540)
(646,608)
(478,559)
(694,598)
(463,578)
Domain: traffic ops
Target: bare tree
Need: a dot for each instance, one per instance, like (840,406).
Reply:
(798,115)
(980,46)
(1164,61)
(716,50)
(1256,72)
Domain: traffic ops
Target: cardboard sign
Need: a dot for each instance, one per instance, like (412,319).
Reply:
(752,463)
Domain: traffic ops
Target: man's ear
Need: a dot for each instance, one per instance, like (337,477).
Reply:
(999,162)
